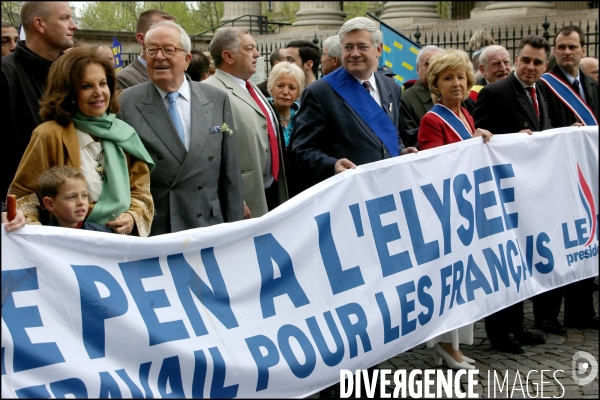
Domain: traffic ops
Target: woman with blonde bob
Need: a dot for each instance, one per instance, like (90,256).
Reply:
(285,84)
(450,77)
(80,130)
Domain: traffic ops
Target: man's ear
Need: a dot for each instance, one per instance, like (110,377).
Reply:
(39,24)
(48,203)
(309,65)
(336,61)
(140,38)
(188,59)
(227,56)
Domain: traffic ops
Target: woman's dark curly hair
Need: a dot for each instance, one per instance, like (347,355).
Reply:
(59,102)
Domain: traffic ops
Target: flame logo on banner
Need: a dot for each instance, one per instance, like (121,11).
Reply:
(588,203)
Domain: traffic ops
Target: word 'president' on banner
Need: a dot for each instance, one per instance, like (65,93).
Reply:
(361,267)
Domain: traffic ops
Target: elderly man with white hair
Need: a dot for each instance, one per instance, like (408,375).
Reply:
(351,116)
(331,59)
(494,64)
(416,100)
(187,127)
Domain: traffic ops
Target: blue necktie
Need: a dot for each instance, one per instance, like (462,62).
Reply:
(175,115)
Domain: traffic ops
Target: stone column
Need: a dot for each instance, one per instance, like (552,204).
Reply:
(498,9)
(408,11)
(505,5)
(234,9)
(321,13)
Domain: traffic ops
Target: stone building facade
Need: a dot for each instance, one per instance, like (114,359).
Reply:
(320,19)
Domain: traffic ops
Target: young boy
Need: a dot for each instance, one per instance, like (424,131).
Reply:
(63,191)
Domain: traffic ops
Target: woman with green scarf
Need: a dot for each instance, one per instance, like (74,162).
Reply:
(81,130)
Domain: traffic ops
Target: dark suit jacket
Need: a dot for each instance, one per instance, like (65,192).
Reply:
(133,74)
(416,101)
(197,188)
(561,115)
(263,88)
(328,129)
(504,107)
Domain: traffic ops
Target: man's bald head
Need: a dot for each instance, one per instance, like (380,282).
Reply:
(32,9)
(589,66)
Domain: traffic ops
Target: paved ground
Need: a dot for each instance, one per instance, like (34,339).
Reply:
(556,354)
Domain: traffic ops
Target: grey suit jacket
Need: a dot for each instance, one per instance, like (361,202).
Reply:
(252,141)
(133,74)
(197,188)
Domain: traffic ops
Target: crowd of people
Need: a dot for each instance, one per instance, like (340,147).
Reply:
(180,139)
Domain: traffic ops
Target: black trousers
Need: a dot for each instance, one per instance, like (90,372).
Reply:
(272,196)
(505,321)
(579,302)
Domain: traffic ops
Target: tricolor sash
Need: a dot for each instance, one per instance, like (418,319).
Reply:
(348,88)
(451,120)
(570,98)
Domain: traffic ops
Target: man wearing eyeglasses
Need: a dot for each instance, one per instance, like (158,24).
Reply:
(136,71)
(352,115)
(187,128)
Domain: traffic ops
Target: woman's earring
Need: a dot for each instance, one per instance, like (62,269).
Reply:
(439,97)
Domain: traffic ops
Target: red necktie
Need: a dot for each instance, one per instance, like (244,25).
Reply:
(270,130)
(534,99)
(367,86)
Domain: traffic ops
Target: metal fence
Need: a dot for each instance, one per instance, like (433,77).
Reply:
(509,37)
(504,36)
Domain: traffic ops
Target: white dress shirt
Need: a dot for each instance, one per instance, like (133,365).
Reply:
(374,92)
(184,108)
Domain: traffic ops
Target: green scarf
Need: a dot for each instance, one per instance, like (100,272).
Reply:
(116,137)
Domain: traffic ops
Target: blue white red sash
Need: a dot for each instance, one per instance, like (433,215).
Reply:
(451,120)
(366,107)
(570,98)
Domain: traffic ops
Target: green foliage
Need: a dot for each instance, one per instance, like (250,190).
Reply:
(356,9)
(194,17)
(110,16)
(287,13)
(443,8)
(10,12)
(207,15)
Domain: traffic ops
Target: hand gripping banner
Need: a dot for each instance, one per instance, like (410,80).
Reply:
(351,272)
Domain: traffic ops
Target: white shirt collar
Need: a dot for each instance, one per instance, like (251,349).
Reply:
(140,59)
(371,80)
(570,77)
(184,90)
(523,83)
(241,82)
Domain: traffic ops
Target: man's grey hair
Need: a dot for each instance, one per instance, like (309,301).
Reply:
(225,39)
(487,51)
(426,49)
(362,23)
(332,47)
(184,39)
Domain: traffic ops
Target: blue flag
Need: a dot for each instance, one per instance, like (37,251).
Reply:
(399,54)
(116,49)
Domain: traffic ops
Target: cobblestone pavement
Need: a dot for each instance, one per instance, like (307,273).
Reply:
(556,354)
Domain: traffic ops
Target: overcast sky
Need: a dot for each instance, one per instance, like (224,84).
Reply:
(78,5)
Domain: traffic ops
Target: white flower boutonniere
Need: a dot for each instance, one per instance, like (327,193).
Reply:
(223,128)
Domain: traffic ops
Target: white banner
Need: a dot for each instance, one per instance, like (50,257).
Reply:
(353,271)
